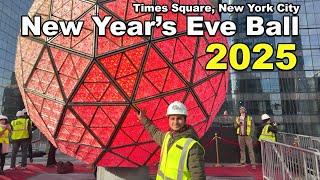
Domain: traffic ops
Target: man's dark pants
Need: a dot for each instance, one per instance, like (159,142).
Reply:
(16,144)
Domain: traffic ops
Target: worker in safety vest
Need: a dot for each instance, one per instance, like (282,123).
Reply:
(269,129)
(245,129)
(5,129)
(20,138)
(182,156)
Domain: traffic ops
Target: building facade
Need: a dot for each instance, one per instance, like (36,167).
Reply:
(10,14)
(291,98)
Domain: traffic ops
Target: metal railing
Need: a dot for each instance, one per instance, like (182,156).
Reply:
(285,162)
(39,141)
(303,141)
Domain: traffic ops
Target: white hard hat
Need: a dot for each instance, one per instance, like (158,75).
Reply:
(20,114)
(3,117)
(24,111)
(265,117)
(177,108)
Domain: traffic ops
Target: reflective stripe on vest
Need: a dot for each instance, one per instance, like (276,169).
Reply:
(267,136)
(5,136)
(173,162)
(249,124)
(20,129)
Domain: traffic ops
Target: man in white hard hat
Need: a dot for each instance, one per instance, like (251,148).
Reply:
(269,130)
(245,129)
(182,156)
(20,138)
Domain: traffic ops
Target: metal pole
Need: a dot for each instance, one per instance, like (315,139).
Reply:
(262,159)
(317,166)
(217,151)
(282,162)
(305,164)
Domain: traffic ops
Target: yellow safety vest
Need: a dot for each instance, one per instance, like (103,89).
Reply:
(5,136)
(20,129)
(249,125)
(267,136)
(173,162)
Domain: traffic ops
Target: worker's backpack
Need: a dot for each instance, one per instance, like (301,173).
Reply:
(64,167)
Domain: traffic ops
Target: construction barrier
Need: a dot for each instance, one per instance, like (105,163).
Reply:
(303,141)
(39,142)
(285,162)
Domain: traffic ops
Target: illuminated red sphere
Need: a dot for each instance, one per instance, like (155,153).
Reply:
(83,92)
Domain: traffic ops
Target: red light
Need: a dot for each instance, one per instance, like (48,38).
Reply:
(83,92)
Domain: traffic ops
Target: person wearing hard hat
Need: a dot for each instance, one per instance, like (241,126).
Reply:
(5,129)
(182,156)
(269,129)
(20,138)
(245,129)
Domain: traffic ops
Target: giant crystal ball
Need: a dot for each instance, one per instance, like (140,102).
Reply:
(83,92)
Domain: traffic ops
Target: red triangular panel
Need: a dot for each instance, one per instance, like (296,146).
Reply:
(158,78)
(168,51)
(96,75)
(136,55)
(175,97)
(161,110)
(125,68)
(67,148)
(139,155)
(111,63)
(145,137)
(173,82)
(124,151)
(101,120)
(154,61)
(134,132)
(85,112)
(131,120)
(110,160)
(150,147)
(89,140)
(97,89)
(104,134)
(150,105)
(83,95)
(112,95)
(127,83)
(50,114)
(121,139)
(146,89)
(185,68)
(114,112)
(88,154)
(181,52)
(163,124)
(154,160)
(117,7)
(195,116)
(37,101)
(199,72)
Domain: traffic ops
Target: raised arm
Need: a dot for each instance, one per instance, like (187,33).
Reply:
(156,134)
